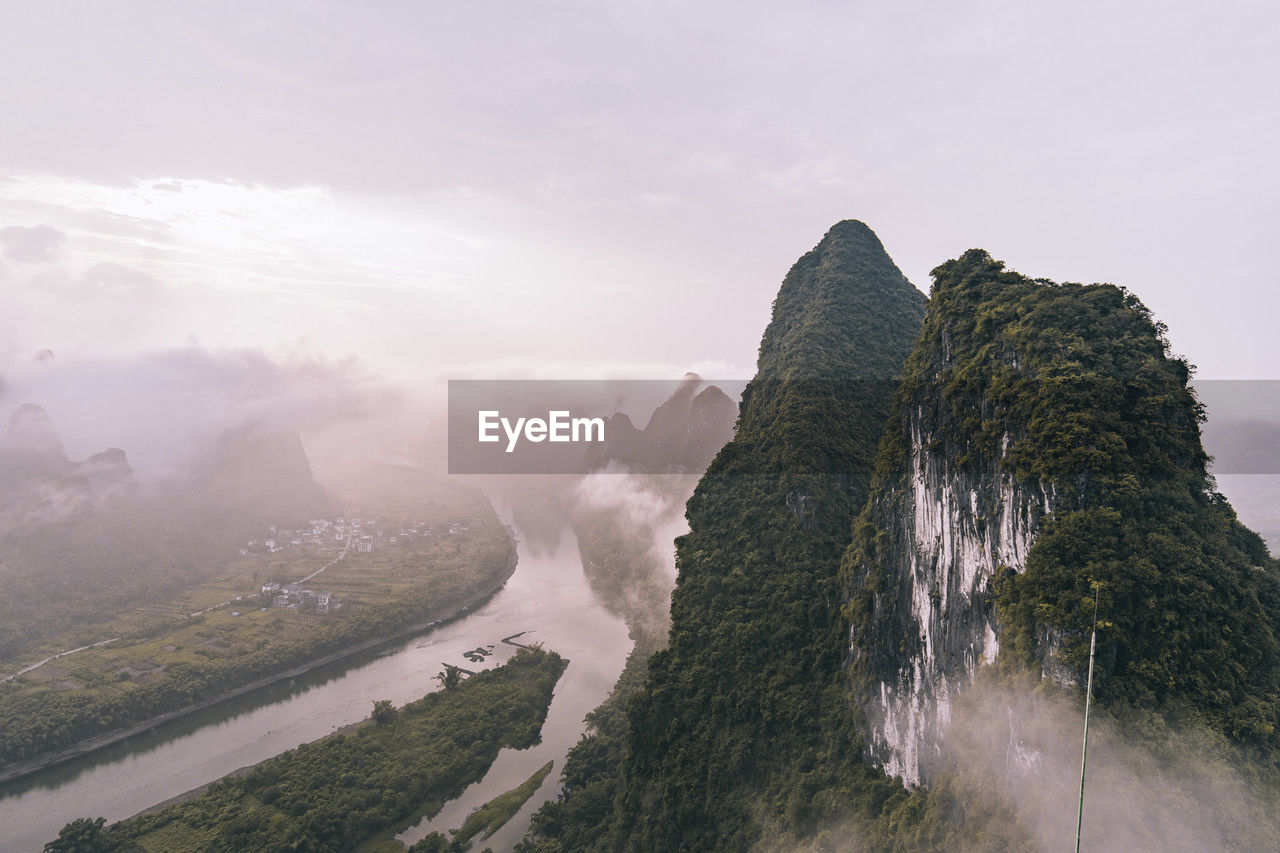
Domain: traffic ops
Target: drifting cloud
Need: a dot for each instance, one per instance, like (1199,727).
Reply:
(1176,788)
(37,244)
(644,515)
(116,280)
(626,494)
(1014,751)
(162,405)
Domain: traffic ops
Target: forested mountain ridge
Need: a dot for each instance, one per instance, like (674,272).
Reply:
(1044,439)
(746,693)
(1040,439)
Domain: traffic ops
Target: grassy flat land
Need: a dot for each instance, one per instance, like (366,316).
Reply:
(166,658)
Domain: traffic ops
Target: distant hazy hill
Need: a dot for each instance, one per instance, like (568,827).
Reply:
(80,541)
(40,485)
(260,473)
(31,436)
(30,451)
(682,435)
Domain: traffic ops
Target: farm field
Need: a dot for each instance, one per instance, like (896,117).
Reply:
(431,546)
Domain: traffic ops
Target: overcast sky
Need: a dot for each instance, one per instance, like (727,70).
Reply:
(610,188)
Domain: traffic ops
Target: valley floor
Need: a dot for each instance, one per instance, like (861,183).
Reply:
(265,616)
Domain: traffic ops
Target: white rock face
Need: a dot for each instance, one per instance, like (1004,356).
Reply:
(955,531)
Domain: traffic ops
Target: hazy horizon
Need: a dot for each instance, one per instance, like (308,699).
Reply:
(356,289)
(318,209)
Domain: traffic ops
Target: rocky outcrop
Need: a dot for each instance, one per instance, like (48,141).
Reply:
(1044,441)
(950,533)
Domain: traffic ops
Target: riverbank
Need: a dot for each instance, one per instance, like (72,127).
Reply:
(442,616)
(422,754)
(238,773)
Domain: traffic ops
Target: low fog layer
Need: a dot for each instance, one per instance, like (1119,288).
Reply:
(640,506)
(166,406)
(1179,789)
(644,515)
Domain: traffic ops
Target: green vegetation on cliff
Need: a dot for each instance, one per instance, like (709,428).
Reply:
(746,733)
(1069,392)
(1070,389)
(737,713)
(1099,415)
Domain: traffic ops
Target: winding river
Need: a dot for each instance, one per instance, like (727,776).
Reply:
(547,598)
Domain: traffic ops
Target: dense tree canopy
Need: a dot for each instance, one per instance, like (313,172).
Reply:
(745,730)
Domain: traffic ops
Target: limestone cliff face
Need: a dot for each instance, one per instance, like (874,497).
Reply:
(949,532)
(945,519)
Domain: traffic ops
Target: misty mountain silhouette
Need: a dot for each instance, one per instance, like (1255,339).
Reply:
(682,435)
(260,472)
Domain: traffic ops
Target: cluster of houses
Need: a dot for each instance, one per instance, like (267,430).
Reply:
(360,536)
(368,537)
(295,597)
(324,534)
